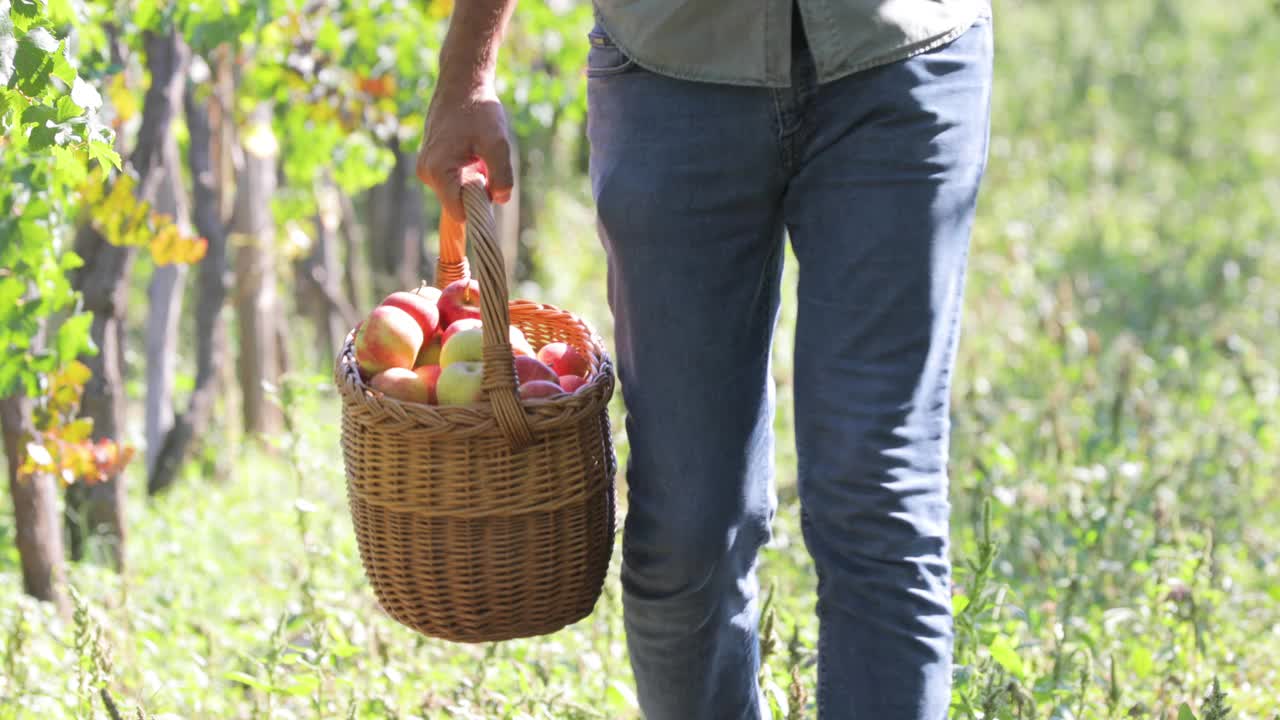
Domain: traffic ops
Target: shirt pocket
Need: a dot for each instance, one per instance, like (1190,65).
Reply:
(604,58)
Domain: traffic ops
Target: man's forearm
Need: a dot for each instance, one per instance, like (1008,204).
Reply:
(469,58)
(465,122)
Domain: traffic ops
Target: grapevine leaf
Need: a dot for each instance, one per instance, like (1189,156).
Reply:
(69,261)
(73,337)
(69,166)
(103,153)
(10,101)
(38,114)
(144,14)
(329,37)
(62,66)
(26,12)
(67,109)
(1185,712)
(32,62)
(10,376)
(42,136)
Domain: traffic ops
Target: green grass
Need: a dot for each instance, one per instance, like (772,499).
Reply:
(1117,411)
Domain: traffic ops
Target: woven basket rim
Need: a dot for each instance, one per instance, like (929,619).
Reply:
(543,414)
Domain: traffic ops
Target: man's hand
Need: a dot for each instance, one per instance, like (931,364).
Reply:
(466,127)
(463,131)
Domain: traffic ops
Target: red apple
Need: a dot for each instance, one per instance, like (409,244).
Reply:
(539,389)
(418,307)
(529,369)
(461,299)
(460,383)
(389,338)
(430,352)
(429,375)
(401,384)
(457,327)
(564,359)
(571,383)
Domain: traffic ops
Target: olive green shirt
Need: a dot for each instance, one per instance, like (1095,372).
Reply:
(748,42)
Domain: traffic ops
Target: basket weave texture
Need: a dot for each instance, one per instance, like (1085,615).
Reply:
(489,521)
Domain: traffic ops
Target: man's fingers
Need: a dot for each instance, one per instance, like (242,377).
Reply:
(497,159)
(444,182)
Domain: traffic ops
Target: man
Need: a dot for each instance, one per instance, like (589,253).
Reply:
(860,127)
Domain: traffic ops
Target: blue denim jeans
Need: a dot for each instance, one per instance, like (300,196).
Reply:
(874,178)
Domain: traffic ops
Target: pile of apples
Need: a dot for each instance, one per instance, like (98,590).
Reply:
(427,346)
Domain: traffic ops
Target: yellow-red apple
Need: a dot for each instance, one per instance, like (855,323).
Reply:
(390,337)
(401,384)
(418,307)
(430,352)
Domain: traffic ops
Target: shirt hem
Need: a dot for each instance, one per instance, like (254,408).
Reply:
(901,52)
(908,50)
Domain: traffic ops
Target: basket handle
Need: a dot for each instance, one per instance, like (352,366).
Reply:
(452,263)
(479,233)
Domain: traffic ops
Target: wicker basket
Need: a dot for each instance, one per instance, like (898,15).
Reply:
(484,522)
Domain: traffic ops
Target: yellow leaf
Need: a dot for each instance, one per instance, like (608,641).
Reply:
(162,245)
(126,456)
(79,459)
(440,9)
(74,374)
(137,220)
(196,250)
(79,430)
(123,101)
(65,399)
(91,190)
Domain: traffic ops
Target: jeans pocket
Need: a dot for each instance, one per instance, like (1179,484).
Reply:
(605,59)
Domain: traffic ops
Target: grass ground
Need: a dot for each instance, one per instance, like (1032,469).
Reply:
(1117,417)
